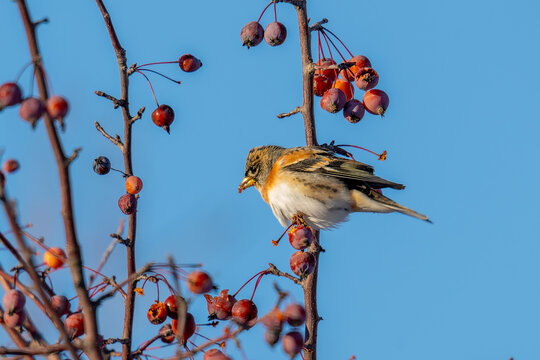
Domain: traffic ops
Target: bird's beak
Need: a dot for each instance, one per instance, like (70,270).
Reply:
(246,182)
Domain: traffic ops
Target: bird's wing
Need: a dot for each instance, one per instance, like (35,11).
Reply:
(321,161)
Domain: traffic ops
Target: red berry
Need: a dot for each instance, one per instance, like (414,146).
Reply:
(215,354)
(189,327)
(252,34)
(366,78)
(15,319)
(101,165)
(353,111)
(10,165)
(333,100)
(360,62)
(54,258)
(293,343)
(31,110)
(302,263)
(300,237)
(275,33)
(60,304)
(75,324)
(329,73)
(57,107)
(244,312)
(376,101)
(163,116)
(220,307)
(128,204)
(167,334)
(157,313)
(295,314)
(133,185)
(170,303)
(199,282)
(13,301)
(10,94)
(189,63)
(321,83)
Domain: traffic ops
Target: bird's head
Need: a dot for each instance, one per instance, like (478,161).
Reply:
(259,162)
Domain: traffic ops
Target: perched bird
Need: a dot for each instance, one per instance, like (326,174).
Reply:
(314,184)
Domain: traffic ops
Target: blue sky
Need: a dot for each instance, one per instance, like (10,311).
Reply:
(461,132)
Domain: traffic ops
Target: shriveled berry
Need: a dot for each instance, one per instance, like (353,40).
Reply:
(321,83)
(220,307)
(329,73)
(101,165)
(10,165)
(293,343)
(10,94)
(275,33)
(167,334)
(271,336)
(128,204)
(273,320)
(302,263)
(353,111)
(60,304)
(366,78)
(252,34)
(376,101)
(346,87)
(189,327)
(14,319)
(54,258)
(163,116)
(333,100)
(300,237)
(189,63)
(133,185)
(295,314)
(75,325)
(199,282)
(13,301)
(244,312)
(31,110)
(360,62)
(157,313)
(57,107)
(215,354)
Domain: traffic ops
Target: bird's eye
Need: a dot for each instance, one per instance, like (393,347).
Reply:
(253,170)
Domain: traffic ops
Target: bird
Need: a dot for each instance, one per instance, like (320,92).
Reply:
(315,185)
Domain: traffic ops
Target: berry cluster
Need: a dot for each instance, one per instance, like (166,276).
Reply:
(294,315)
(133,184)
(334,82)
(32,108)
(253,33)
(163,115)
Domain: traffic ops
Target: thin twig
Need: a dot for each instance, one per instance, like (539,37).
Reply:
(73,156)
(275,271)
(116,103)
(295,111)
(139,115)
(115,140)
(318,25)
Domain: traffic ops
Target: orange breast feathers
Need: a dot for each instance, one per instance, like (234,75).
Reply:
(277,173)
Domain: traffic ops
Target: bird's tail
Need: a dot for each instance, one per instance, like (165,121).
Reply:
(392,205)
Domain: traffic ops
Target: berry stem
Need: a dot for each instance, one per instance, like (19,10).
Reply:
(257,284)
(275,11)
(247,282)
(327,39)
(334,35)
(267,6)
(320,47)
(22,71)
(160,74)
(331,56)
(151,87)
(157,63)
(276,242)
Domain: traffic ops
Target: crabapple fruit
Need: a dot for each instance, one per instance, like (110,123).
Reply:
(333,100)
(163,116)
(199,282)
(128,204)
(376,101)
(353,111)
(275,33)
(252,34)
